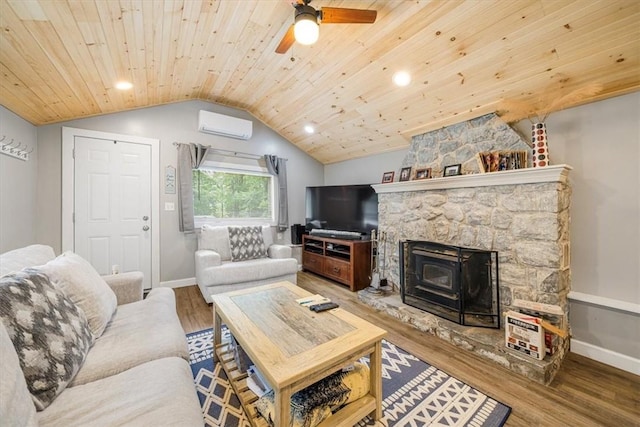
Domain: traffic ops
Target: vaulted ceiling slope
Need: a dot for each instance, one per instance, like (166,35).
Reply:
(60,60)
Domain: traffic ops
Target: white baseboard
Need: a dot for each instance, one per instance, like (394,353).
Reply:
(608,357)
(180,283)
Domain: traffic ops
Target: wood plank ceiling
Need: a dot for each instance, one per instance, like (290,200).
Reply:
(60,59)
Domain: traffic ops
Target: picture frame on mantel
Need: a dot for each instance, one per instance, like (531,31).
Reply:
(387,177)
(405,174)
(423,173)
(452,170)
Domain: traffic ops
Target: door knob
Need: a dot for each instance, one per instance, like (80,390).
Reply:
(145,228)
(145,218)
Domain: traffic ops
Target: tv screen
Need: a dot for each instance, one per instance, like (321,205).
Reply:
(342,208)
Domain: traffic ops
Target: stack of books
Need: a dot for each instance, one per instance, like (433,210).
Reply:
(255,380)
(494,161)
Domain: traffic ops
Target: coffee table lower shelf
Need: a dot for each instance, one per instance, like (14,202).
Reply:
(345,417)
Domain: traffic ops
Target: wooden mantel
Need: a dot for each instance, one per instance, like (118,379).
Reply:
(555,173)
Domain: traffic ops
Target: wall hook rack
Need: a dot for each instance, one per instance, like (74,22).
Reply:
(19,151)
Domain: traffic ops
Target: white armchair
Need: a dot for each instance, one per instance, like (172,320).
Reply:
(217,273)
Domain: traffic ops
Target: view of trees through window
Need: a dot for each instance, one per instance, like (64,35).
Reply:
(231,195)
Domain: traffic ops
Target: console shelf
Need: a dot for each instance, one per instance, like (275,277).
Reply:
(345,261)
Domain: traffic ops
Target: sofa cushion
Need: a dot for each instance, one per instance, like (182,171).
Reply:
(82,283)
(246,243)
(279,251)
(50,333)
(139,332)
(28,256)
(157,393)
(215,238)
(16,406)
(247,271)
(267,236)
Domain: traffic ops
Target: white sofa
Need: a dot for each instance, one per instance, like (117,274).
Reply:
(135,373)
(217,273)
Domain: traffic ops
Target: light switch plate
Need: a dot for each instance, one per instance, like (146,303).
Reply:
(169,206)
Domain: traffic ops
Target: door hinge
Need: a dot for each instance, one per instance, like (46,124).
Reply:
(73,217)
(73,153)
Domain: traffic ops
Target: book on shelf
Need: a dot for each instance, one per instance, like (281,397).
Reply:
(256,382)
(494,161)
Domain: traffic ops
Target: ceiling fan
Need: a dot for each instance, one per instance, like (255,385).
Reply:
(305,28)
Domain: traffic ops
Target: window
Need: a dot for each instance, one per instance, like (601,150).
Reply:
(232,196)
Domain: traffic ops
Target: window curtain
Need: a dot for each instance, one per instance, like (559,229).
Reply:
(190,157)
(278,167)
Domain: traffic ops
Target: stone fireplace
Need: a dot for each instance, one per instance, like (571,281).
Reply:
(521,215)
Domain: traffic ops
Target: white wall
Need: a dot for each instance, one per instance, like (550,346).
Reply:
(366,170)
(17,184)
(602,142)
(169,123)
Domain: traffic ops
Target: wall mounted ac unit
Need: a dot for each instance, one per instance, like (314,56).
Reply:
(219,124)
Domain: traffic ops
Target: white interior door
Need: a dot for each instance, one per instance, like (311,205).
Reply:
(112,205)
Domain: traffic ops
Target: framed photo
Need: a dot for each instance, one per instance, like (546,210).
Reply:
(452,170)
(423,173)
(405,174)
(387,177)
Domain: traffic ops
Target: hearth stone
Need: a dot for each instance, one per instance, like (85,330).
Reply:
(487,343)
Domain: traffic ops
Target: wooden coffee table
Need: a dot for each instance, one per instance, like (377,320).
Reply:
(294,347)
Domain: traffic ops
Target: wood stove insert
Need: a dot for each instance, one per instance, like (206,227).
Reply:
(455,283)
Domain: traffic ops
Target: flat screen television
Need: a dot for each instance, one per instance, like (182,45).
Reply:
(343,208)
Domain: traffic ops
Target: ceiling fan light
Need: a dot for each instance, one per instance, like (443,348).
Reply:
(306,29)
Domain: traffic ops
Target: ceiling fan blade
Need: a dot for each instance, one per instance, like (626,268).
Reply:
(337,15)
(287,41)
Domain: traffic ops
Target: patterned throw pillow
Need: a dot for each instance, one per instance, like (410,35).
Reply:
(49,333)
(246,243)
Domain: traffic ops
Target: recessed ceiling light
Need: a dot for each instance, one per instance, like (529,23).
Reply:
(123,85)
(401,78)
(309,129)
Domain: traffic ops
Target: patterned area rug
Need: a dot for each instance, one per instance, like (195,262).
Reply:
(414,393)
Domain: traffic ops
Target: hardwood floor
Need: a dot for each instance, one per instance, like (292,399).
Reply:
(584,393)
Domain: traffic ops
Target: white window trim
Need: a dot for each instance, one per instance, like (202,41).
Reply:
(200,220)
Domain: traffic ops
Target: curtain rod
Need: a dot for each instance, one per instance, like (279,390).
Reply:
(232,153)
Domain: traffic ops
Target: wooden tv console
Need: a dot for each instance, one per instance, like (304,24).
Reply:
(345,261)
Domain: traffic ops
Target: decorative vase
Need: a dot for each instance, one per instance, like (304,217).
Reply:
(540,147)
